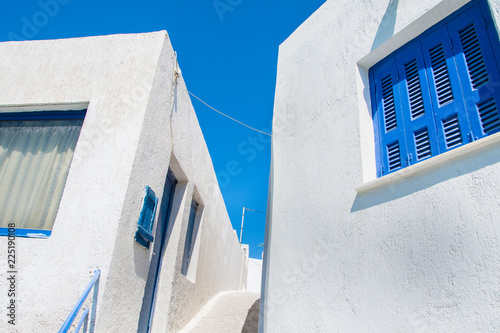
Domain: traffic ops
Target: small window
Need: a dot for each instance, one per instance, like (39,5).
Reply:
(191,235)
(36,149)
(439,91)
(144,233)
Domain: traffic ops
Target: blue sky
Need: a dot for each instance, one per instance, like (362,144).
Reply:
(228,53)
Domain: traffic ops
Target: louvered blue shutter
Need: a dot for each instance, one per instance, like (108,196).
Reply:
(439,91)
(144,233)
(478,70)
(387,113)
(451,120)
(420,129)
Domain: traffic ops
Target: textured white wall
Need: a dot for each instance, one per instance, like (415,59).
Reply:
(417,254)
(126,143)
(254,275)
(220,257)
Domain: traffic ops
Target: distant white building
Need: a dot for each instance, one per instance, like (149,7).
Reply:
(385,180)
(254,279)
(103,165)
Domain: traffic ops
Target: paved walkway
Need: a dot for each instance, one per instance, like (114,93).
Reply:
(228,312)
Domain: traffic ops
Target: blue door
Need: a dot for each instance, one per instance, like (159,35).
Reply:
(161,238)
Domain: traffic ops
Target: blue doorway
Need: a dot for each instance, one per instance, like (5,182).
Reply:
(160,241)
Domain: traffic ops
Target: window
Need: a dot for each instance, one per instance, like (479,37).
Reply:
(36,149)
(437,92)
(191,234)
(144,233)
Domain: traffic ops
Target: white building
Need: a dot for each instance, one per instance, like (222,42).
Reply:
(385,179)
(254,278)
(116,121)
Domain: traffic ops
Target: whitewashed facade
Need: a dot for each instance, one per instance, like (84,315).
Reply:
(254,279)
(139,123)
(415,250)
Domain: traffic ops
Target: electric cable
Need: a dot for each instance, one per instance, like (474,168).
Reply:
(225,115)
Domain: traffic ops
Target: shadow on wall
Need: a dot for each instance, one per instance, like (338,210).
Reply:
(387,25)
(164,225)
(452,168)
(252,321)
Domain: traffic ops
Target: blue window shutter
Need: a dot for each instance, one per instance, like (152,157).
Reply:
(478,68)
(489,117)
(420,129)
(422,141)
(192,217)
(387,113)
(144,233)
(453,131)
(446,90)
(452,123)
(188,245)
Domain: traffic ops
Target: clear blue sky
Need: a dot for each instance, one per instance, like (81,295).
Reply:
(227,51)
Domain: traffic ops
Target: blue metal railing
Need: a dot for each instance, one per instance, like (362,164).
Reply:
(84,320)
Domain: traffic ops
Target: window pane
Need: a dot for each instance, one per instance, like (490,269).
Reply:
(35,156)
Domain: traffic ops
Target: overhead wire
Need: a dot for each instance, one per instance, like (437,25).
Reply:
(225,115)
(254,250)
(175,76)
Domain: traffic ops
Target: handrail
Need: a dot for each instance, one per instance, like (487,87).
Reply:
(83,321)
(94,283)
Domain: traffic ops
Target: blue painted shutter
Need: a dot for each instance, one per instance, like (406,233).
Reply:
(452,123)
(144,233)
(478,70)
(439,91)
(189,237)
(420,129)
(192,217)
(388,114)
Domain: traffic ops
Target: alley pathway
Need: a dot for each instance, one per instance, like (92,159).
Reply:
(229,312)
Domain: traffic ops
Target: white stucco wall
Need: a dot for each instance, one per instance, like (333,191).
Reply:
(125,143)
(254,275)
(417,252)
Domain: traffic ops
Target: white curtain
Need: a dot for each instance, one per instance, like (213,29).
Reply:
(35,156)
